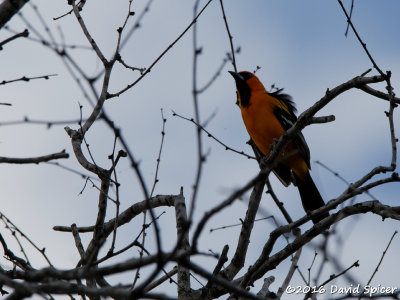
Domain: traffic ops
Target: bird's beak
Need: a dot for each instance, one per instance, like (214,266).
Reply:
(238,78)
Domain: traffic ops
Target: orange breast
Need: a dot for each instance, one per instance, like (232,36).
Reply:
(260,121)
(263,127)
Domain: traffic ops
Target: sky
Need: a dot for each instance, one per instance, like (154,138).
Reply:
(299,45)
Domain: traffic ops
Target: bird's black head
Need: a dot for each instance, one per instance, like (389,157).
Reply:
(243,89)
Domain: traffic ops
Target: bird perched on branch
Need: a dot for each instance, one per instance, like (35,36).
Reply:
(266,117)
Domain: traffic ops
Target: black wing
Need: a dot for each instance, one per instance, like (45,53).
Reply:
(287,118)
(285,99)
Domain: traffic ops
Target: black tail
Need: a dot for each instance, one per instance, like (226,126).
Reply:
(310,196)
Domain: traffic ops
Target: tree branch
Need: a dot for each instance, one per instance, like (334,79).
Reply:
(127,215)
(34,160)
(182,225)
(9,8)
(237,262)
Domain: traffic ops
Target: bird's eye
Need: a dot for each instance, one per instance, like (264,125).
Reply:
(246,75)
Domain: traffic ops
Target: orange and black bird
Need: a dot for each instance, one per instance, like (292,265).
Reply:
(266,117)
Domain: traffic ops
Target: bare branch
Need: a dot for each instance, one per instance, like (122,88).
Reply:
(34,160)
(162,279)
(24,33)
(24,78)
(334,276)
(364,45)
(148,69)
(164,120)
(351,13)
(78,242)
(383,255)
(9,8)
(237,262)
(98,236)
(293,267)
(213,78)
(127,215)
(229,35)
(271,192)
(265,288)
(265,263)
(28,288)
(210,135)
(320,120)
(182,225)
(87,34)
(379,94)
(15,259)
(48,123)
(76,141)
(207,215)
(13,229)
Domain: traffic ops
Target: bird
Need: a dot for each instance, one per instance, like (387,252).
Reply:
(266,116)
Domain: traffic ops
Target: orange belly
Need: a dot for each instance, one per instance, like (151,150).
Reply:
(263,128)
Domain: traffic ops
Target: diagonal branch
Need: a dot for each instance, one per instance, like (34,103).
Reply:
(148,69)
(265,262)
(87,34)
(9,8)
(24,33)
(364,45)
(269,162)
(229,35)
(237,262)
(378,94)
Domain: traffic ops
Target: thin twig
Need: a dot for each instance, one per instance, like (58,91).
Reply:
(136,25)
(14,227)
(162,279)
(383,255)
(379,94)
(310,267)
(280,205)
(43,22)
(50,123)
(23,264)
(334,276)
(87,34)
(117,202)
(237,224)
(164,120)
(351,13)
(213,78)
(34,160)
(293,267)
(336,174)
(201,157)
(24,33)
(134,243)
(24,78)
(210,135)
(364,45)
(148,69)
(229,35)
